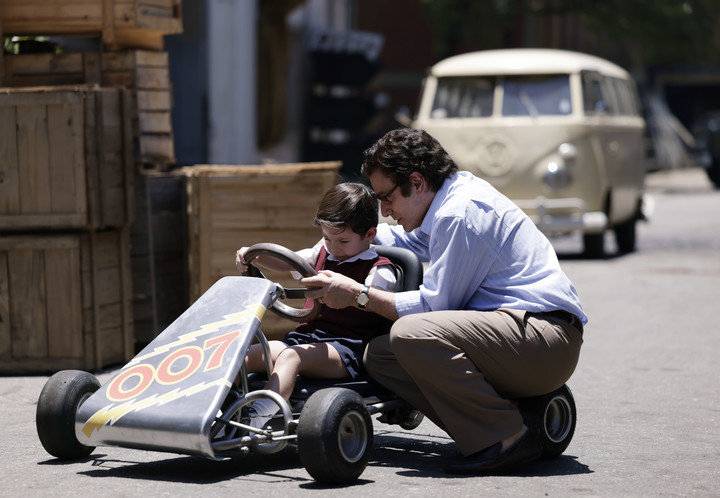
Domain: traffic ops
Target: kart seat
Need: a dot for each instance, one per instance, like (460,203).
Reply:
(408,267)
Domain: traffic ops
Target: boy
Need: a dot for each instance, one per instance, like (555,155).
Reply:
(330,346)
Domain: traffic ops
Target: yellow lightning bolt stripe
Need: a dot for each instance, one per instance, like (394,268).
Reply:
(111,414)
(232,319)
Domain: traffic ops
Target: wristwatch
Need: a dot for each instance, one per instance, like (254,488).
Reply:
(363,298)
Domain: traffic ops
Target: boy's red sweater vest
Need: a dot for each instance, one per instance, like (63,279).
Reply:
(348,322)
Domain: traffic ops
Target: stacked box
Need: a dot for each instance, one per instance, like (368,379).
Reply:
(145,73)
(65,159)
(229,207)
(65,301)
(121,23)
(62,165)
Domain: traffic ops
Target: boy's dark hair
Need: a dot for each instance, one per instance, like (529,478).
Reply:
(404,150)
(348,205)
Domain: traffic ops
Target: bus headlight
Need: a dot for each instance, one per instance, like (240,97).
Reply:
(557,176)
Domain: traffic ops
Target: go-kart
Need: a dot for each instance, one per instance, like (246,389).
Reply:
(187,392)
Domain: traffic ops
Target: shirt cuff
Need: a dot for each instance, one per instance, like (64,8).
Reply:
(408,303)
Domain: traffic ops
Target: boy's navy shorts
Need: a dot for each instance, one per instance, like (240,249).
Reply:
(350,350)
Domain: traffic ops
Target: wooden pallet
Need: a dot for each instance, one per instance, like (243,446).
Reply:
(145,73)
(121,23)
(65,159)
(234,206)
(65,301)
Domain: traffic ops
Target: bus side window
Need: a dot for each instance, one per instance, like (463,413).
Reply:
(593,99)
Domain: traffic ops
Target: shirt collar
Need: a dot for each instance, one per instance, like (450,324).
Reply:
(427,223)
(369,253)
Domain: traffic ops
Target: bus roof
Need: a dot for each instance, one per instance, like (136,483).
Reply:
(524,61)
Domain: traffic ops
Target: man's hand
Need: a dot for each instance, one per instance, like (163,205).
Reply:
(333,289)
(338,291)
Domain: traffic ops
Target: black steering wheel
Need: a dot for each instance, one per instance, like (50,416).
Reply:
(298,264)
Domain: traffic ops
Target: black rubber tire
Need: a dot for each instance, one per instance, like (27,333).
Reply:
(594,245)
(554,416)
(56,410)
(335,436)
(713,172)
(625,236)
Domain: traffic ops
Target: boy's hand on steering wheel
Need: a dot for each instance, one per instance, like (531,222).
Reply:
(240,262)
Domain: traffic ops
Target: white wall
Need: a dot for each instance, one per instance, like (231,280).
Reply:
(232,36)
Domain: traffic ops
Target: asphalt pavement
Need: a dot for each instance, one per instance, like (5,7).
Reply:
(646,390)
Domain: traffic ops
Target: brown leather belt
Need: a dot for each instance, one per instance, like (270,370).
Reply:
(565,316)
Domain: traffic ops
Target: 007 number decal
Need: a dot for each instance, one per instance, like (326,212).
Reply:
(173,369)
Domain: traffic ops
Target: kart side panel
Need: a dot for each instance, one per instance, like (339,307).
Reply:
(166,398)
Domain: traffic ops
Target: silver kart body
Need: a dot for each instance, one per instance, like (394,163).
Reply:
(168,397)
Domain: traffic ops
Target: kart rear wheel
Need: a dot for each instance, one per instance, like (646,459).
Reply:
(57,407)
(555,417)
(335,436)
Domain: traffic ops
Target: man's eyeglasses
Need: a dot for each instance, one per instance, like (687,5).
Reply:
(384,197)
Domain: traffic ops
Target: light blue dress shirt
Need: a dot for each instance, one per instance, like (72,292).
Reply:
(483,253)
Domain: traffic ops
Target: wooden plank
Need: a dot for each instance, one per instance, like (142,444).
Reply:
(152,78)
(261,169)
(39,96)
(129,60)
(128,153)
(36,221)
(155,122)
(9,167)
(64,303)
(111,175)
(32,17)
(2,52)
(37,242)
(127,329)
(5,323)
(64,133)
(28,314)
(204,242)
(33,157)
(93,141)
(94,278)
(45,64)
(135,23)
(154,100)
(157,147)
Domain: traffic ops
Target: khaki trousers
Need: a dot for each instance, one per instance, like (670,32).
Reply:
(461,368)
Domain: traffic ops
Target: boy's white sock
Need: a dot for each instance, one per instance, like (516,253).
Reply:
(264,409)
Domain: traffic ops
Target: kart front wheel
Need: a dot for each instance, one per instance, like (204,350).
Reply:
(335,436)
(57,407)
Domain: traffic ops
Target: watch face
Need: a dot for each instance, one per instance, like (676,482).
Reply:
(363,299)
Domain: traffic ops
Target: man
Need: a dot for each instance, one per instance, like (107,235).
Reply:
(495,318)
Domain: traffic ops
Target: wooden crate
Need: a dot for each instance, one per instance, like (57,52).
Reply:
(233,206)
(121,23)
(146,74)
(65,159)
(159,254)
(65,301)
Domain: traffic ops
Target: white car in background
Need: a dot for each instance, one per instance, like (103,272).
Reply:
(558,132)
